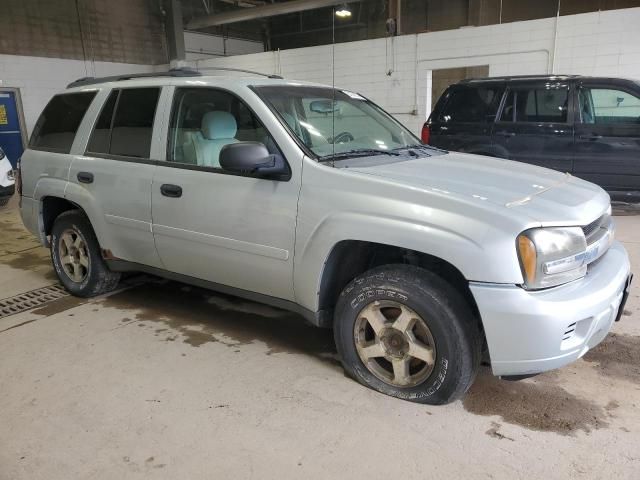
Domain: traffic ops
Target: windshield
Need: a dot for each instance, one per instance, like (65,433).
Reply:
(337,123)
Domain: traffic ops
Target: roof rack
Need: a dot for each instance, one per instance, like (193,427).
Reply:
(519,77)
(174,72)
(225,69)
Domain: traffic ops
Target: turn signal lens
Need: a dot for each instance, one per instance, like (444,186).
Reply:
(527,251)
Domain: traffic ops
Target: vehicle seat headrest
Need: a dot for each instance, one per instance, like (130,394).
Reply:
(219,125)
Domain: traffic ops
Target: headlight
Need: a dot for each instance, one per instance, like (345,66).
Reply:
(551,256)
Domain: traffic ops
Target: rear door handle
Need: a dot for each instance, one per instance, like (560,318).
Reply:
(506,134)
(85,177)
(169,190)
(591,137)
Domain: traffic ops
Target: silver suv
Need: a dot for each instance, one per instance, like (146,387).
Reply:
(314,199)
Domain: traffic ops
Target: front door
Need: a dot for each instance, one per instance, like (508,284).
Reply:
(11,140)
(607,148)
(535,126)
(234,230)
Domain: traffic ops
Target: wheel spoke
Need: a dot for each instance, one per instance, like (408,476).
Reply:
(77,272)
(421,352)
(84,260)
(401,371)
(404,322)
(372,351)
(78,242)
(67,260)
(375,318)
(66,239)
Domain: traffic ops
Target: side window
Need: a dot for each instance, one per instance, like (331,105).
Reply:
(133,122)
(126,132)
(541,105)
(204,120)
(101,135)
(56,128)
(608,106)
(472,104)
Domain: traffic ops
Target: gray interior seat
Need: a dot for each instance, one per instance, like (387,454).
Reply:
(218,129)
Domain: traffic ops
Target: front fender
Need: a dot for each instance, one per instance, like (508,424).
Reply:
(470,254)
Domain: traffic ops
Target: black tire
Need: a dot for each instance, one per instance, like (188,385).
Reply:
(98,278)
(445,312)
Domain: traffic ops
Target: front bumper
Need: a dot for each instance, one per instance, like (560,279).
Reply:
(7,191)
(534,331)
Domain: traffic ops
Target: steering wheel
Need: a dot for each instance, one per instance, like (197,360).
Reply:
(342,137)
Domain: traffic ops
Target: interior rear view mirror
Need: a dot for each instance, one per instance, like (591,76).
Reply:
(324,106)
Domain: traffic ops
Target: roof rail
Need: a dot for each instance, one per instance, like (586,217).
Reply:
(225,69)
(519,77)
(174,72)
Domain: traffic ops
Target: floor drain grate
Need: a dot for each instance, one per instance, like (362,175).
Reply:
(34,298)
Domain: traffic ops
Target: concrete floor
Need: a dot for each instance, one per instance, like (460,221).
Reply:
(165,381)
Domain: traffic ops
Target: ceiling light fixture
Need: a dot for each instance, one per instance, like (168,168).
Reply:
(343,11)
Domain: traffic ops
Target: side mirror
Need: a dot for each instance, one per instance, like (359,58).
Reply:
(253,158)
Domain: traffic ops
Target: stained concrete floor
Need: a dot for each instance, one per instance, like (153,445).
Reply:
(166,381)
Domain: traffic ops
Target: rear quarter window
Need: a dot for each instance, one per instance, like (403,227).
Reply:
(56,128)
(478,104)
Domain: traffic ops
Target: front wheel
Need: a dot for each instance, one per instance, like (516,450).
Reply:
(405,332)
(76,257)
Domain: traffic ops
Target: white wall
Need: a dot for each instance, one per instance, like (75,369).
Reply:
(39,78)
(599,43)
(202,45)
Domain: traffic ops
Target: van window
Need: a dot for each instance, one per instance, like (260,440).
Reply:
(56,128)
(204,120)
(129,130)
(472,104)
(541,105)
(608,106)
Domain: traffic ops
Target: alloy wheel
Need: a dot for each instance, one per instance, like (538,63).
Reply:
(394,343)
(74,255)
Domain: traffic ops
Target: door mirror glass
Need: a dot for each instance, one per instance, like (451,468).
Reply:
(252,158)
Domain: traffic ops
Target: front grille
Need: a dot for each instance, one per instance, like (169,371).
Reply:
(593,227)
(569,331)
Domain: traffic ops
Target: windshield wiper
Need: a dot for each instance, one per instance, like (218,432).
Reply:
(420,147)
(359,152)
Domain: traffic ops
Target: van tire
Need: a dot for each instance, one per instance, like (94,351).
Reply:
(431,303)
(95,277)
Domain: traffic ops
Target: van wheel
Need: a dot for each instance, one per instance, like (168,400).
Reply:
(76,257)
(405,332)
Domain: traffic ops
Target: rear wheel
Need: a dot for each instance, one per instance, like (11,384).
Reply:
(76,257)
(405,332)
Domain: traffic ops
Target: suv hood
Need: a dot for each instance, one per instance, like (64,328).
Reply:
(546,196)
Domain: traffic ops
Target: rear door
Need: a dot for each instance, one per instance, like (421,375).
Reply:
(607,150)
(112,180)
(535,125)
(463,118)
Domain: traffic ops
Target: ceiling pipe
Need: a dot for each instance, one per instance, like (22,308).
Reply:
(256,13)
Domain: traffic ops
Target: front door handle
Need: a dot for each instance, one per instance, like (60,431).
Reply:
(506,134)
(169,190)
(85,177)
(591,137)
